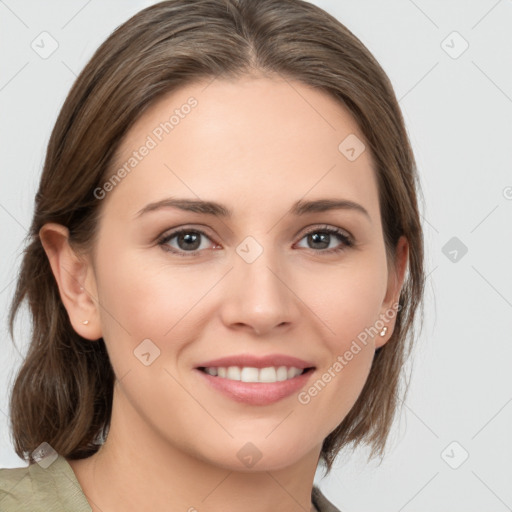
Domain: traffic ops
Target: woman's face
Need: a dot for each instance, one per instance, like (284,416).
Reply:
(267,280)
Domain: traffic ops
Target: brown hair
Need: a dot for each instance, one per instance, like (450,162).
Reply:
(63,391)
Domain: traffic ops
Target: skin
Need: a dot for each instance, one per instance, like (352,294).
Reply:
(274,142)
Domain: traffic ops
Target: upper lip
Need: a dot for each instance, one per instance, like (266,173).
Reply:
(248,360)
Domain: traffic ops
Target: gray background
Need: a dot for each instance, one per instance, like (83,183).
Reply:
(458,111)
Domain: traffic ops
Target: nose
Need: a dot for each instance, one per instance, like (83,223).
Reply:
(259,296)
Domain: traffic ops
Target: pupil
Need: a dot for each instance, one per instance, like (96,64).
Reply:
(316,237)
(190,238)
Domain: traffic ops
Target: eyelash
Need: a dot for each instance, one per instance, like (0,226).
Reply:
(347,241)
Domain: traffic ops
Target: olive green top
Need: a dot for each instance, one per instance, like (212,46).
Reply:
(54,488)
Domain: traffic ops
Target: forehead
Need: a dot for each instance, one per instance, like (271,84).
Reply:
(255,138)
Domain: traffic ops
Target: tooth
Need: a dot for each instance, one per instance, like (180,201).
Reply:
(233,373)
(293,372)
(249,374)
(282,373)
(268,374)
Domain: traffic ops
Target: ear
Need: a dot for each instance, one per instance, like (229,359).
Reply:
(75,279)
(396,276)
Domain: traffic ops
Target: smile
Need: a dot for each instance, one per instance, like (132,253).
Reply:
(255,390)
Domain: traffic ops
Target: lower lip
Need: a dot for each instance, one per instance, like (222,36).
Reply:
(257,393)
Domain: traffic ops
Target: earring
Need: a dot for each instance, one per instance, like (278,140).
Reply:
(85,322)
(384,331)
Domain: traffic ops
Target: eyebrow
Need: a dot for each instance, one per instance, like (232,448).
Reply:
(299,208)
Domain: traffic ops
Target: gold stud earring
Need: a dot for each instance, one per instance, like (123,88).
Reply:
(384,331)
(85,322)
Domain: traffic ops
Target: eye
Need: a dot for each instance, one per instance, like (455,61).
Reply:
(188,240)
(321,236)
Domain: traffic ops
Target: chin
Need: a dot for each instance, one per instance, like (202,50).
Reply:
(251,457)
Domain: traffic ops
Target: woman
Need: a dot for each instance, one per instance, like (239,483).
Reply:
(223,268)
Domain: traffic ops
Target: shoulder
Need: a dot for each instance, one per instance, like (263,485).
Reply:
(321,502)
(36,488)
(16,488)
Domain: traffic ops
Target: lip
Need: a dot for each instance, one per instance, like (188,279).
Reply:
(257,361)
(255,393)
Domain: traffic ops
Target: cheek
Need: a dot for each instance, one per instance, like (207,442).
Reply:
(144,318)
(138,302)
(337,387)
(145,299)
(350,313)
(348,300)
(348,304)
